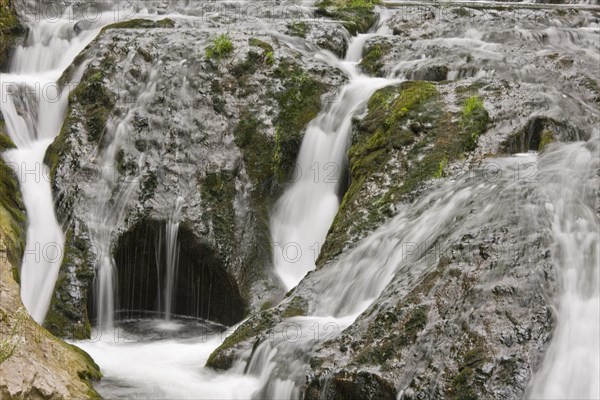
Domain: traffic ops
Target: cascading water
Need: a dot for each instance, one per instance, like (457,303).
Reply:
(172,257)
(304,213)
(110,197)
(343,290)
(33,106)
(571,367)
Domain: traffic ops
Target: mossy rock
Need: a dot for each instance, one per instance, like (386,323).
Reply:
(298,28)
(357,15)
(537,134)
(468,383)
(67,316)
(392,332)
(260,43)
(299,103)
(372,61)
(217,192)
(433,73)
(90,105)
(11,31)
(254,328)
(296,308)
(12,210)
(409,136)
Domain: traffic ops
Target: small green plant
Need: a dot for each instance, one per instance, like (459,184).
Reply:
(439,173)
(269,59)
(221,46)
(474,121)
(471,105)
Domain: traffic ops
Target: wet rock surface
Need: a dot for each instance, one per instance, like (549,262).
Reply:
(166,120)
(474,321)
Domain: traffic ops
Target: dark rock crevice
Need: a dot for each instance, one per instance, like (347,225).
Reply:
(202,286)
(540,131)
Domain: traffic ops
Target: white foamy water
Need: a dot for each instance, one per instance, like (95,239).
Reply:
(571,368)
(165,369)
(33,107)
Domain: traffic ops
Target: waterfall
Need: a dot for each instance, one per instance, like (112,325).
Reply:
(33,106)
(109,197)
(571,366)
(303,214)
(172,257)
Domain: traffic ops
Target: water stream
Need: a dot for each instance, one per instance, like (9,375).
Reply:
(303,214)
(33,106)
(172,257)
(571,367)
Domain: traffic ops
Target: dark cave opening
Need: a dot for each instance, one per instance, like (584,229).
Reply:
(202,288)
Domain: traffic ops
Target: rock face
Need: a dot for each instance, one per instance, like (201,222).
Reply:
(179,114)
(33,363)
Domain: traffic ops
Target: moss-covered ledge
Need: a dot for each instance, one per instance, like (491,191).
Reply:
(408,137)
(11,31)
(141,24)
(254,330)
(357,15)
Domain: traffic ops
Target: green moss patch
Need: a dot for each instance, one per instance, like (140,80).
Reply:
(67,317)
(467,384)
(372,62)
(268,52)
(11,31)
(298,28)
(296,308)
(357,15)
